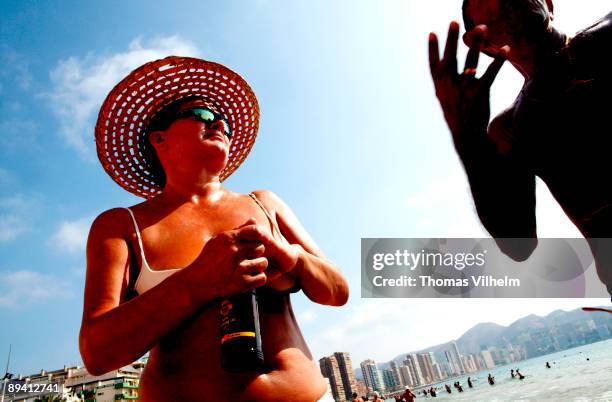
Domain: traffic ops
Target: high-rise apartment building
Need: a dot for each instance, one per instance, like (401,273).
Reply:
(414,369)
(331,371)
(389,379)
(396,373)
(372,376)
(339,370)
(426,367)
(488,359)
(406,377)
(349,382)
(457,357)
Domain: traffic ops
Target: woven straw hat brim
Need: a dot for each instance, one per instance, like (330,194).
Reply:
(130,105)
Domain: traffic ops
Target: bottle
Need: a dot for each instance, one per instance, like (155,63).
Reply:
(240,333)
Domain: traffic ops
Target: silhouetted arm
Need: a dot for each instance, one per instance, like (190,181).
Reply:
(503,190)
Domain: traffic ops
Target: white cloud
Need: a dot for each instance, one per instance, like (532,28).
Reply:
(445,208)
(21,288)
(16,213)
(81,84)
(306,317)
(11,226)
(71,236)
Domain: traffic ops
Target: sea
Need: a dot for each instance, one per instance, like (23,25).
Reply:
(571,378)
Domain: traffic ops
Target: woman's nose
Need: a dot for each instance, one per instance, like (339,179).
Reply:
(218,125)
(222,126)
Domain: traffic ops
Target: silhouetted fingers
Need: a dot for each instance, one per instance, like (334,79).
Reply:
(450,50)
(434,54)
(489,75)
(471,61)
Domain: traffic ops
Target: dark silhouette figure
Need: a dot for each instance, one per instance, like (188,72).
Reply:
(558,128)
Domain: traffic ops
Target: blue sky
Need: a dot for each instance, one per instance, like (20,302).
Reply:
(351,137)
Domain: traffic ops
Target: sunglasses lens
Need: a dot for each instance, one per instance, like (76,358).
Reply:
(226,129)
(208,116)
(204,115)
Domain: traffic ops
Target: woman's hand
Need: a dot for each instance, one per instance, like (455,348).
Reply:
(282,256)
(463,97)
(282,259)
(233,262)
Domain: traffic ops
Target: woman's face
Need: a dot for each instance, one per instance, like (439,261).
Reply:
(192,143)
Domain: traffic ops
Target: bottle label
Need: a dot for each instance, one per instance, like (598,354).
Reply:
(237,317)
(238,335)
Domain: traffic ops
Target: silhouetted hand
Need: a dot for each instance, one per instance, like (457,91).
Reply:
(463,97)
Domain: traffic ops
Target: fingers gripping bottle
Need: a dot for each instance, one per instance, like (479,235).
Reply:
(240,333)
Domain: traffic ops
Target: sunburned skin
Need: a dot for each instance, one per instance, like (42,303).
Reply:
(190,354)
(222,244)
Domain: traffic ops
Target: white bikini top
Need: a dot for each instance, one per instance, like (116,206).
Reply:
(148,278)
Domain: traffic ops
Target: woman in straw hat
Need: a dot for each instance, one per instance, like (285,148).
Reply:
(171,132)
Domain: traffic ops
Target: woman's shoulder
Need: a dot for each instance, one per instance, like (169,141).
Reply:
(269,199)
(111,222)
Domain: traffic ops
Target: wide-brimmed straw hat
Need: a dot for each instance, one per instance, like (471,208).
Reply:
(129,107)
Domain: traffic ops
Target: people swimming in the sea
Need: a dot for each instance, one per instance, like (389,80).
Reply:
(512,373)
(547,365)
(491,379)
(469,381)
(448,388)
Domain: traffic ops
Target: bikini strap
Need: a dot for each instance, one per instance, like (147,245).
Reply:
(275,227)
(297,286)
(142,256)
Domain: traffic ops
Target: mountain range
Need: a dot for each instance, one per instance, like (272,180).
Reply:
(544,330)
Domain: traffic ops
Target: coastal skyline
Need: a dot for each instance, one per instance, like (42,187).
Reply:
(352,138)
(527,338)
(537,335)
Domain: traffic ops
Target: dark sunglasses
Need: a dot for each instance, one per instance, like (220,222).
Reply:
(206,116)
